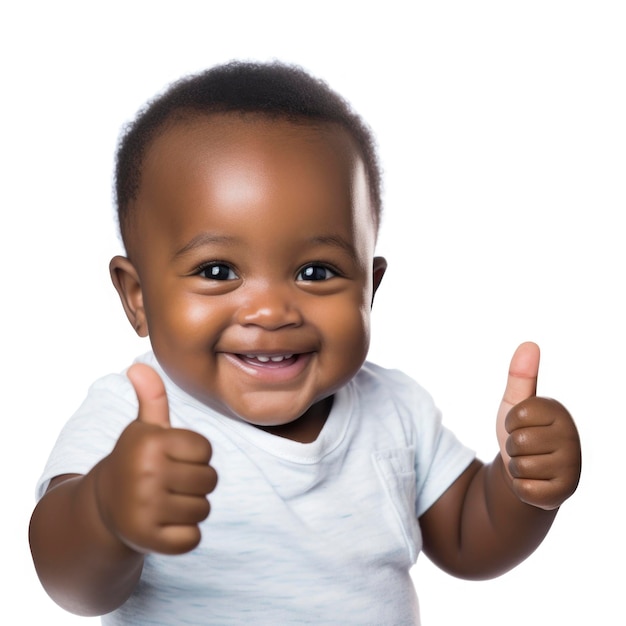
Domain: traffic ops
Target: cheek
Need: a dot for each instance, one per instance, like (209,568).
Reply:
(348,328)
(182,318)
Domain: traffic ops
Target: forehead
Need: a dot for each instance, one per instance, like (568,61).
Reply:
(233,159)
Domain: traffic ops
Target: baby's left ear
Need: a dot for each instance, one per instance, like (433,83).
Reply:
(379,268)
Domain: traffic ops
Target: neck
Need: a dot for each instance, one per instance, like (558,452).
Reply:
(307,427)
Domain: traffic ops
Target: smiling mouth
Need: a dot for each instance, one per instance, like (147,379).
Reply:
(269,360)
(271,368)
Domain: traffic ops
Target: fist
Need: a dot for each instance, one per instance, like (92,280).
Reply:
(544,451)
(152,489)
(539,443)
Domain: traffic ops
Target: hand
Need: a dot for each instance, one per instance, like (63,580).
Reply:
(151,490)
(538,439)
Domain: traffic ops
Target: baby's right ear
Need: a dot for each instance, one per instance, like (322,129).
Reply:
(126,282)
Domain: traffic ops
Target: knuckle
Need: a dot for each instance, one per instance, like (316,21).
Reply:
(532,492)
(538,411)
(517,441)
(212,480)
(521,467)
(185,539)
(204,510)
(173,540)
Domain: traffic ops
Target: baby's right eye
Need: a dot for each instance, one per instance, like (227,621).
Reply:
(217,271)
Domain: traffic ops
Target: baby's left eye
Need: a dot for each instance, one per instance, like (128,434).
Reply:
(315,272)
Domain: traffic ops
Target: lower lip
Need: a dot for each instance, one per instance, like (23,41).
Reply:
(271,372)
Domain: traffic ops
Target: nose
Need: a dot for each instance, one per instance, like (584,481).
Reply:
(271,308)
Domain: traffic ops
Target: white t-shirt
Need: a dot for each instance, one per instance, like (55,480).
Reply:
(319,533)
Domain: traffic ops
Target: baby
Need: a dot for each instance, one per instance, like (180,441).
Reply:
(249,205)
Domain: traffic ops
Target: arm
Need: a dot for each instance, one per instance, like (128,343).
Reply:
(493,516)
(89,534)
(81,564)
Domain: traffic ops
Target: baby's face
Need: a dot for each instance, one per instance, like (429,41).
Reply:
(253,246)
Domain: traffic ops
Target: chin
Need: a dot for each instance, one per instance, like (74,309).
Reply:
(274,408)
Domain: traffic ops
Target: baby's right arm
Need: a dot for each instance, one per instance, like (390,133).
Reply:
(88,534)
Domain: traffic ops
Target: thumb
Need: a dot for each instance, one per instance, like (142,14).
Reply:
(521,384)
(150,390)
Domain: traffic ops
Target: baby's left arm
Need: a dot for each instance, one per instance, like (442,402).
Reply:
(493,516)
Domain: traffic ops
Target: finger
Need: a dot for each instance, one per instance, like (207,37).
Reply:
(183,510)
(535,467)
(544,494)
(538,412)
(191,479)
(187,446)
(521,384)
(150,390)
(530,441)
(523,371)
(539,481)
(177,539)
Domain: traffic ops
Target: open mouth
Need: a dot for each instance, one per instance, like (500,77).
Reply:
(272,368)
(269,360)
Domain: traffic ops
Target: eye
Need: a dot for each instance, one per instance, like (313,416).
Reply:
(314,272)
(217,271)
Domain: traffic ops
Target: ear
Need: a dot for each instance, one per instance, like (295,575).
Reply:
(379,268)
(126,282)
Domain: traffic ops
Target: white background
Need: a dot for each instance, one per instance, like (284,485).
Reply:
(502,134)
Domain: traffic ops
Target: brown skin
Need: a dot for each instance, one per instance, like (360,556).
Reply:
(255,238)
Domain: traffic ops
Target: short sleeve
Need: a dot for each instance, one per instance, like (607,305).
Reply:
(440,457)
(91,433)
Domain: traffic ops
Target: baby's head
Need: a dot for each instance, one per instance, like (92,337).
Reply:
(249,205)
(274,90)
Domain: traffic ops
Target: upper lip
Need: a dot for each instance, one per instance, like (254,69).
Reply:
(255,345)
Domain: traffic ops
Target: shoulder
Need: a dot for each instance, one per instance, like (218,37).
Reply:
(392,404)
(117,385)
(391,387)
(109,405)
(91,432)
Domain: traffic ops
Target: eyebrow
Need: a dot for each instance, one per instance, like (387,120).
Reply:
(203,239)
(336,241)
(207,238)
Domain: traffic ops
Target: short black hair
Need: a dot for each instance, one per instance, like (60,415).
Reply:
(274,89)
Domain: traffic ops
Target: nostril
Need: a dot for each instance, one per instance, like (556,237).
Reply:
(270,316)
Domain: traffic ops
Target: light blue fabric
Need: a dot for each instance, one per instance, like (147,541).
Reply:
(318,533)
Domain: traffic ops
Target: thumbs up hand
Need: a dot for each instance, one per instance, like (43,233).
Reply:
(151,490)
(538,440)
